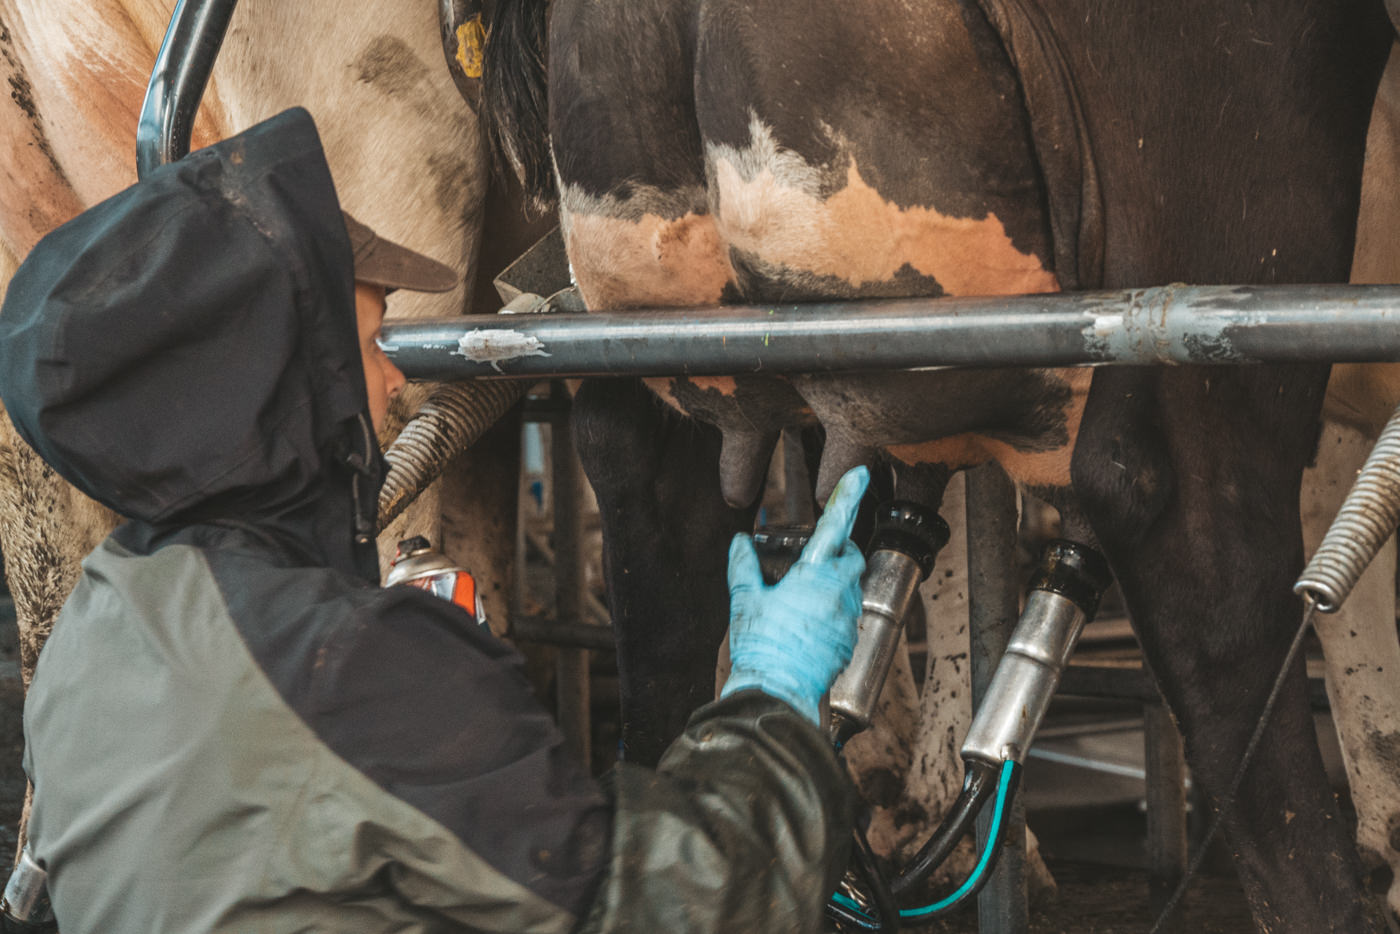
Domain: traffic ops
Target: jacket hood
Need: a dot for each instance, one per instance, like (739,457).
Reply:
(186,351)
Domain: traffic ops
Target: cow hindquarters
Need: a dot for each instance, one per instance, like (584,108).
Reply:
(1202,529)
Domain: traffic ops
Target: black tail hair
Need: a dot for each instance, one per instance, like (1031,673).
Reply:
(514,88)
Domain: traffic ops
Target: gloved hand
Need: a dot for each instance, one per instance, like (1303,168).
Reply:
(791,640)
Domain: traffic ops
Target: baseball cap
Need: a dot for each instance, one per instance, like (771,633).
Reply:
(383,262)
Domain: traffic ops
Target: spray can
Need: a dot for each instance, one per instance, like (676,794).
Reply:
(25,904)
(418,564)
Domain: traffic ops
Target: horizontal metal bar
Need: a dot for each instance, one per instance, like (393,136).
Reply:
(1076,730)
(552,632)
(1118,683)
(1163,325)
(544,409)
(1088,762)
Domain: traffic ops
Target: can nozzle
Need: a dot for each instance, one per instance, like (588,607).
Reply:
(25,904)
(417,564)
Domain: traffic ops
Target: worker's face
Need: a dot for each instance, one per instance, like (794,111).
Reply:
(383,380)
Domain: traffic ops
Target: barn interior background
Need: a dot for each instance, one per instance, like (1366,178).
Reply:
(1086,784)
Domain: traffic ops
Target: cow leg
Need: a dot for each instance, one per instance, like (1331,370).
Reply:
(1363,656)
(1204,536)
(666,532)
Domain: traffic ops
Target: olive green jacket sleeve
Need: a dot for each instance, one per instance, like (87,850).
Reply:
(743,827)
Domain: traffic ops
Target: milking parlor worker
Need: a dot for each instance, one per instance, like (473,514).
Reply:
(233,728)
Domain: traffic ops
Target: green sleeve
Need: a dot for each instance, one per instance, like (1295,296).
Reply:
(743,826)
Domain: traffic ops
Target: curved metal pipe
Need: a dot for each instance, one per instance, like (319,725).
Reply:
(178,80)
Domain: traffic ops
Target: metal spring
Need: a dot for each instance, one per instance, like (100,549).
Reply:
(1368,517)
(449,422)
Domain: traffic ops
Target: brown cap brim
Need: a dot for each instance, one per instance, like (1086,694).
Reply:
(383,262)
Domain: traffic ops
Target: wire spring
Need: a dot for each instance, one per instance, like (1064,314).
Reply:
(1368,517)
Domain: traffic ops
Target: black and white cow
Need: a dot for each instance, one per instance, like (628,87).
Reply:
(783,150)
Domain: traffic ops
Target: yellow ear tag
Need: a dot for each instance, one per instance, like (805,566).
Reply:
(471,46)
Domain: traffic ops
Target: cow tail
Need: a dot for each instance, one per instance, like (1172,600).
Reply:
(515,93)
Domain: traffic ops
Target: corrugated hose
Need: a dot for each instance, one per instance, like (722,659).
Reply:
(451,420)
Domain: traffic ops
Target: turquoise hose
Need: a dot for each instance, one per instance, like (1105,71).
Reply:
(973,881)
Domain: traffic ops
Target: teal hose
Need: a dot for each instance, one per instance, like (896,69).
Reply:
(974,881)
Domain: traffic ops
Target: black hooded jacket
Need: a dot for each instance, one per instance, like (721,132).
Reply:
(233,728)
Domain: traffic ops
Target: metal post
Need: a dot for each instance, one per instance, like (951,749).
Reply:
(519,585)
(1166,808)
(993,607)
(571,665)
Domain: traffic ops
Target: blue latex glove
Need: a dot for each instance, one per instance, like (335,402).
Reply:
(791,640)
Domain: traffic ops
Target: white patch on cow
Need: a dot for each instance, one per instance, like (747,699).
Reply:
(653,248)
(489,345)
(763,156)
(829,222)
(641,200)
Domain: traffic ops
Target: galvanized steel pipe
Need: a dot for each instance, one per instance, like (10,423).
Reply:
(1163,325)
